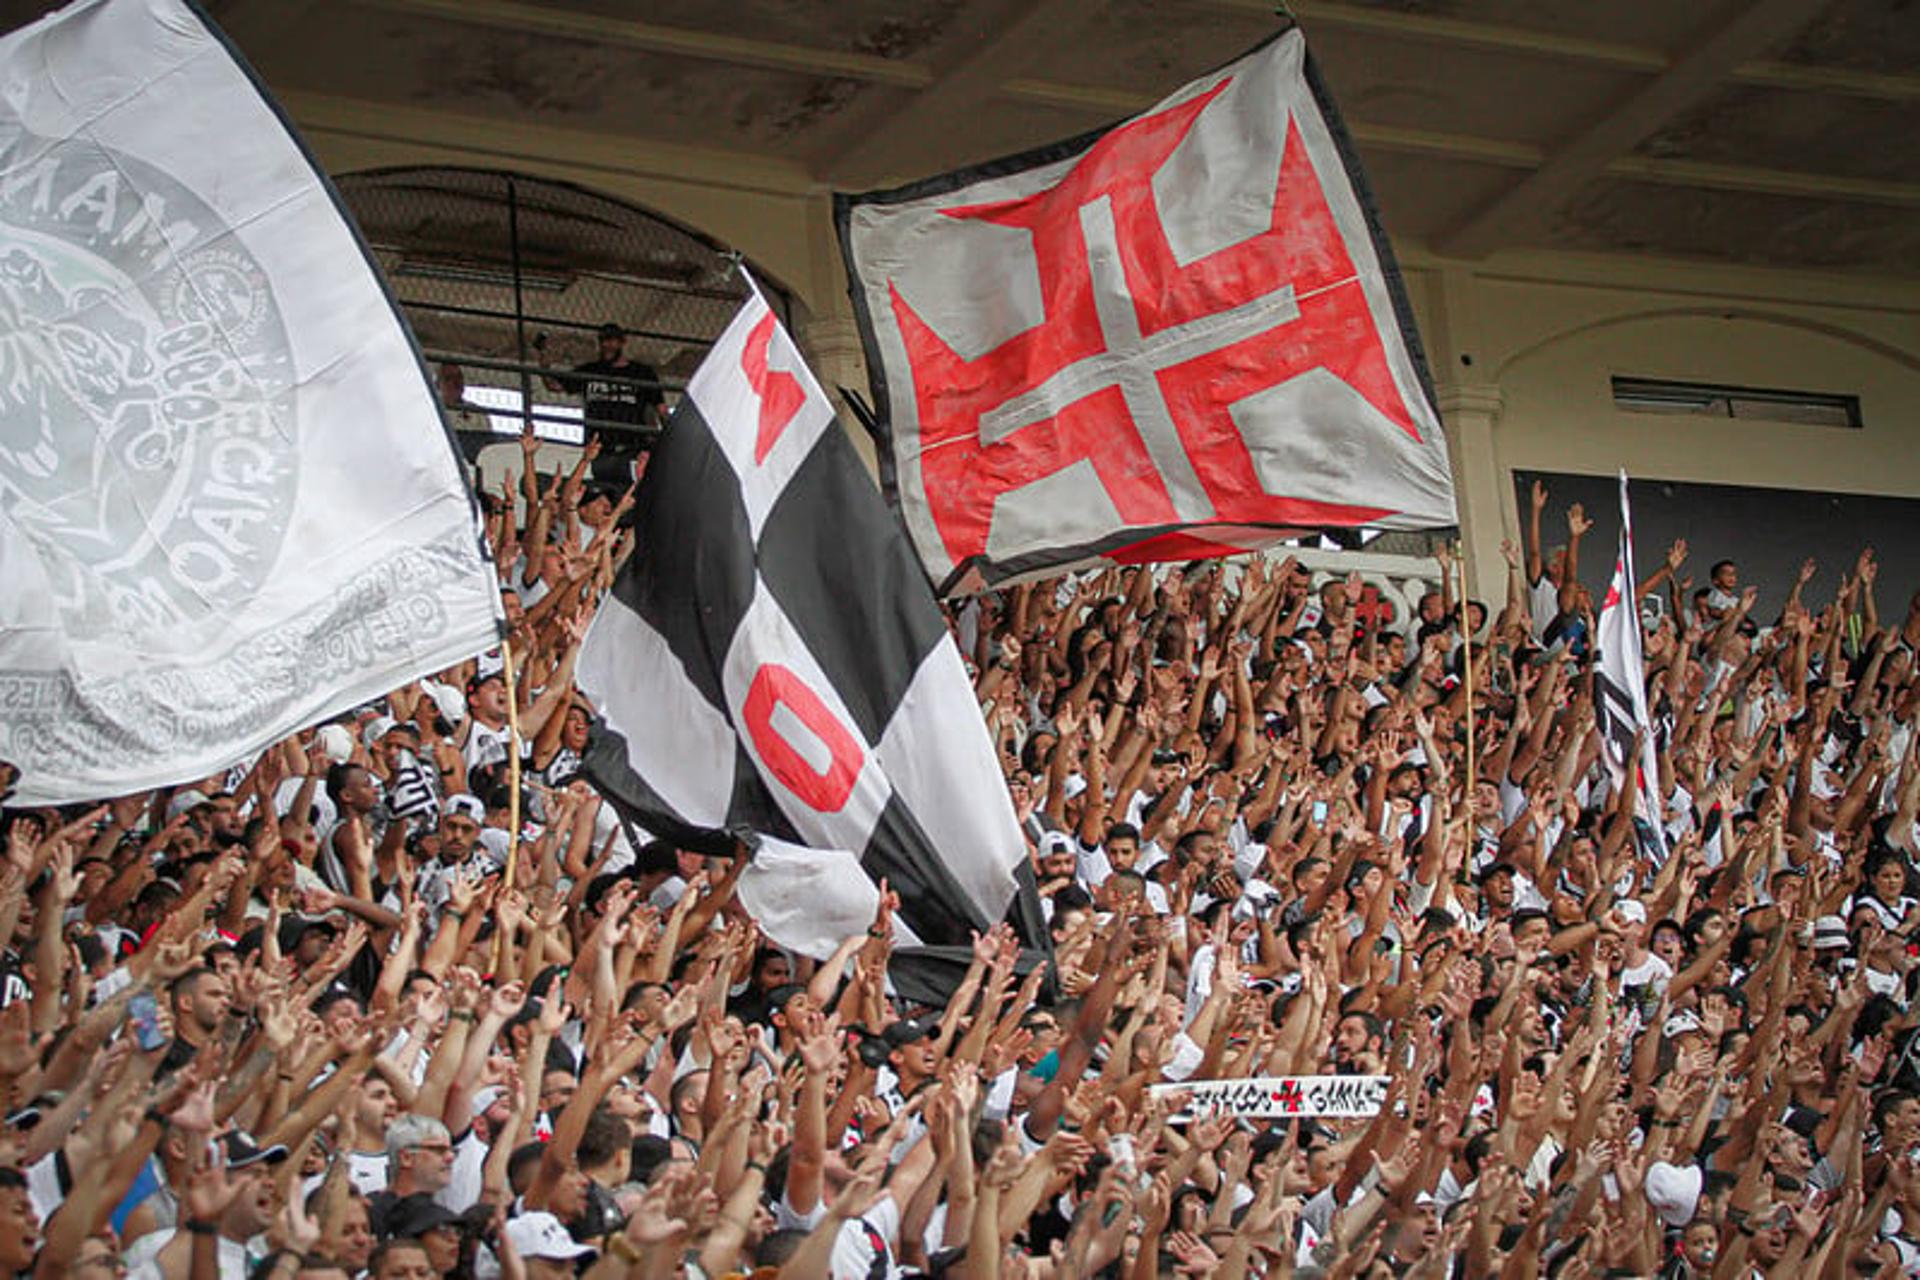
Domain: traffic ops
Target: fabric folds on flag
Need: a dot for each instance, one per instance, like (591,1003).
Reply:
(1620,694)
(1182,338)
(228,504)
(770,667)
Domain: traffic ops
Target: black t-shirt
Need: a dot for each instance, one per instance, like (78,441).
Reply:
(610,401)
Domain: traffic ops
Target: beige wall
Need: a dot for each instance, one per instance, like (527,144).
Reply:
(1545,333)
(1521,345)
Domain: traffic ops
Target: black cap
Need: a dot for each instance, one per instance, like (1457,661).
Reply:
(411,1217)
(242,1152)
(908,1030)
(612,330)
(295,928)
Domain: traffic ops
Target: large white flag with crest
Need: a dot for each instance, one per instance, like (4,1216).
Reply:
(228,505)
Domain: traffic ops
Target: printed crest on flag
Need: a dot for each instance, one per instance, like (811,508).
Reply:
(229,507)
(1181,338)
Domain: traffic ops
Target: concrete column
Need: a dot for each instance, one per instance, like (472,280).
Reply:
(1471,411)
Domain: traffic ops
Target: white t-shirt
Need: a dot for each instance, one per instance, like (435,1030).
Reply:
(367,1171)
(466,1182)
(1543,603)
(236,1260)
(864,1248)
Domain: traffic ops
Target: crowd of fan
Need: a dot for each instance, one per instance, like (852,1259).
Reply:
(321,1017)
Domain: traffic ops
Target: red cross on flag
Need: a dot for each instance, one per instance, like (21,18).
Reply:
(1184,337)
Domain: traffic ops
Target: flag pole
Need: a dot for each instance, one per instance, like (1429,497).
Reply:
(513,796)
(1466,656)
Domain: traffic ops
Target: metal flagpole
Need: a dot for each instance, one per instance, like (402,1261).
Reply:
(1466,655)
(513,794)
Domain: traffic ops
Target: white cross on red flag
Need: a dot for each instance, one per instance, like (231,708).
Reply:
(1182,338)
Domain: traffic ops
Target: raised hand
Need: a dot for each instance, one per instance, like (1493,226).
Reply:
(553,1015)
(653,1220)
(1577,523)
(680,1010)
(208,1193)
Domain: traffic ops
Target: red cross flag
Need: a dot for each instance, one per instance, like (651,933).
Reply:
(1184,337)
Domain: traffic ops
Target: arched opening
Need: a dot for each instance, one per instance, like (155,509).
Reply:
(509,279)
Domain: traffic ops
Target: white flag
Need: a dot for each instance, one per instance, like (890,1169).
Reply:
(1183,339)
(1620,694)
(228,505)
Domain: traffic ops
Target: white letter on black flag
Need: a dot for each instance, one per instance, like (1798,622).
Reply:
(1620,701)
(770,665)
(228,504)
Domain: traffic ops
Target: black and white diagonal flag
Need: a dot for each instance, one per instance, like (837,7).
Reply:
(1620,694)
(771,665)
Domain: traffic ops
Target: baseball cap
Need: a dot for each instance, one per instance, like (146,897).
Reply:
(411,1217)
(1680,1024)
(1673,1191)
(294,928)
(241,1152)
(612,330)
(467,806)
(1631,909)
(540,1235)
(1055,842)
(908,1030)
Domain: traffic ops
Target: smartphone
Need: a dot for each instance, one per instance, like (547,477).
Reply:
(1319,811)
(143,1011)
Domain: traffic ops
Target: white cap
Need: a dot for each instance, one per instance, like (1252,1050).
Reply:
(467,806)
(1055,842)
(1074,784)
(451,703)
(1674,1191)
(377,728)
(1631,909)
(1680,1024)
(183,801)
(540,1235)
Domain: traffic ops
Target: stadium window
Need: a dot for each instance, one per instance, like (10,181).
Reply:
(554,423)
(1756,404)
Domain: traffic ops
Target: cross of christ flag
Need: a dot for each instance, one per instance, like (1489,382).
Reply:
(1620,693)
(1183,337)
(770,666)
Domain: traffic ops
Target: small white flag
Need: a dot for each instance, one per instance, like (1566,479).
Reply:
(1620,694)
